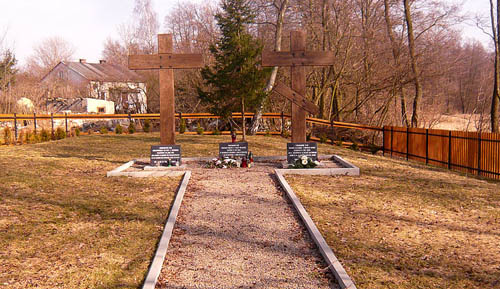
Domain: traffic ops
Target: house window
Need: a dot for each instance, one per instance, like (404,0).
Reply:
(101,109)
(103,95)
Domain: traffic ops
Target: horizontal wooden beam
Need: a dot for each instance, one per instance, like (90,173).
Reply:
(165,61)
(296,98)
(305,58)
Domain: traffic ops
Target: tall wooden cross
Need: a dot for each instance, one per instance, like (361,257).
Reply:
(165,61)
(297,59)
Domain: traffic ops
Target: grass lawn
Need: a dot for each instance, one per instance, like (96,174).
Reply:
(63,224)
(406,225)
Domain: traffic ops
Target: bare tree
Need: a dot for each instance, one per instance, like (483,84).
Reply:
(280,9)
(48,53)
(495,27)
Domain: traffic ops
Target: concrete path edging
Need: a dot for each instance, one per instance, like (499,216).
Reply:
(161,251)
(117,172)
(333,263)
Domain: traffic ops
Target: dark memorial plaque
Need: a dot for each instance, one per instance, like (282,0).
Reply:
(233,150)
(295,150)
(166,155)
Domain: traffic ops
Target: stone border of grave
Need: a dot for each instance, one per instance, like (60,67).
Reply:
(161,250)
(148,172)
(333,263)
(348,169)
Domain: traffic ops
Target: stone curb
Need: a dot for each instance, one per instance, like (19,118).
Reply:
(116,172)
(161,172)
(333,263)
(161,251)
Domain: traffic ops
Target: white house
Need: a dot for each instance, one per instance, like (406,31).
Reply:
(95,88)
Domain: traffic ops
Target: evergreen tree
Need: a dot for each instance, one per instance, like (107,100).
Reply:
(7,69)
(236,80)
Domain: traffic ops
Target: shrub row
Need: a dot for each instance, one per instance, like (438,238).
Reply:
(28,137)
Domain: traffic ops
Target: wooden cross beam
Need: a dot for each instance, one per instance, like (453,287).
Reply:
(165,62)
(296,98)
(297,59)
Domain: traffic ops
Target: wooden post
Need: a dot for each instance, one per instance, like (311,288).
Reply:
(34,121)
(66,122)
(15,127)
(449,150)
(298,46)
(167,103)
(282,123)
(427,146)
(383,141)
(52,124)
(407,142)
(392,138)
(180,120)
(479,153)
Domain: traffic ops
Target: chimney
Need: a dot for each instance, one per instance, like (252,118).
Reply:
(102,61)
(83,60)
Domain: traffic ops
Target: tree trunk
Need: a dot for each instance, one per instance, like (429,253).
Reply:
(396,57)
(414,66)
(496,90)
(254,126)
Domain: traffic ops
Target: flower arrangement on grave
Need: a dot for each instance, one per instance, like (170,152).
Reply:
(223,164)
(304,162)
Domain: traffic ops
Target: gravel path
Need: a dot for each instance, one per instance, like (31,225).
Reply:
(236,230)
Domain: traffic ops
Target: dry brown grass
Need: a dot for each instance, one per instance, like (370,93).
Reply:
(405,225)
(63,224)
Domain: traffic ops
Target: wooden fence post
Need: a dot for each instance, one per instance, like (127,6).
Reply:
(66,122)
(479,153)
(52,123)
(282,123)
(34,120)
(392,139)
(407,142)
(427,146)
(383,141)
(449,150)
(15,126)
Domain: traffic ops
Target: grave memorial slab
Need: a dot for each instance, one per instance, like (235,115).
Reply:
(233,150)
(164,155)
(295,150)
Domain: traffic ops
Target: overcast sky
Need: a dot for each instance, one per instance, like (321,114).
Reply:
(87,23)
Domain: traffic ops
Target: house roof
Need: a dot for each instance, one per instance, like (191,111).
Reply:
(102,72)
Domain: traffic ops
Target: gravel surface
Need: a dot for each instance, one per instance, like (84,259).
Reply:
(236,230)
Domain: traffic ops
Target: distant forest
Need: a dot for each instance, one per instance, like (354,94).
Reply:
(397,62)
